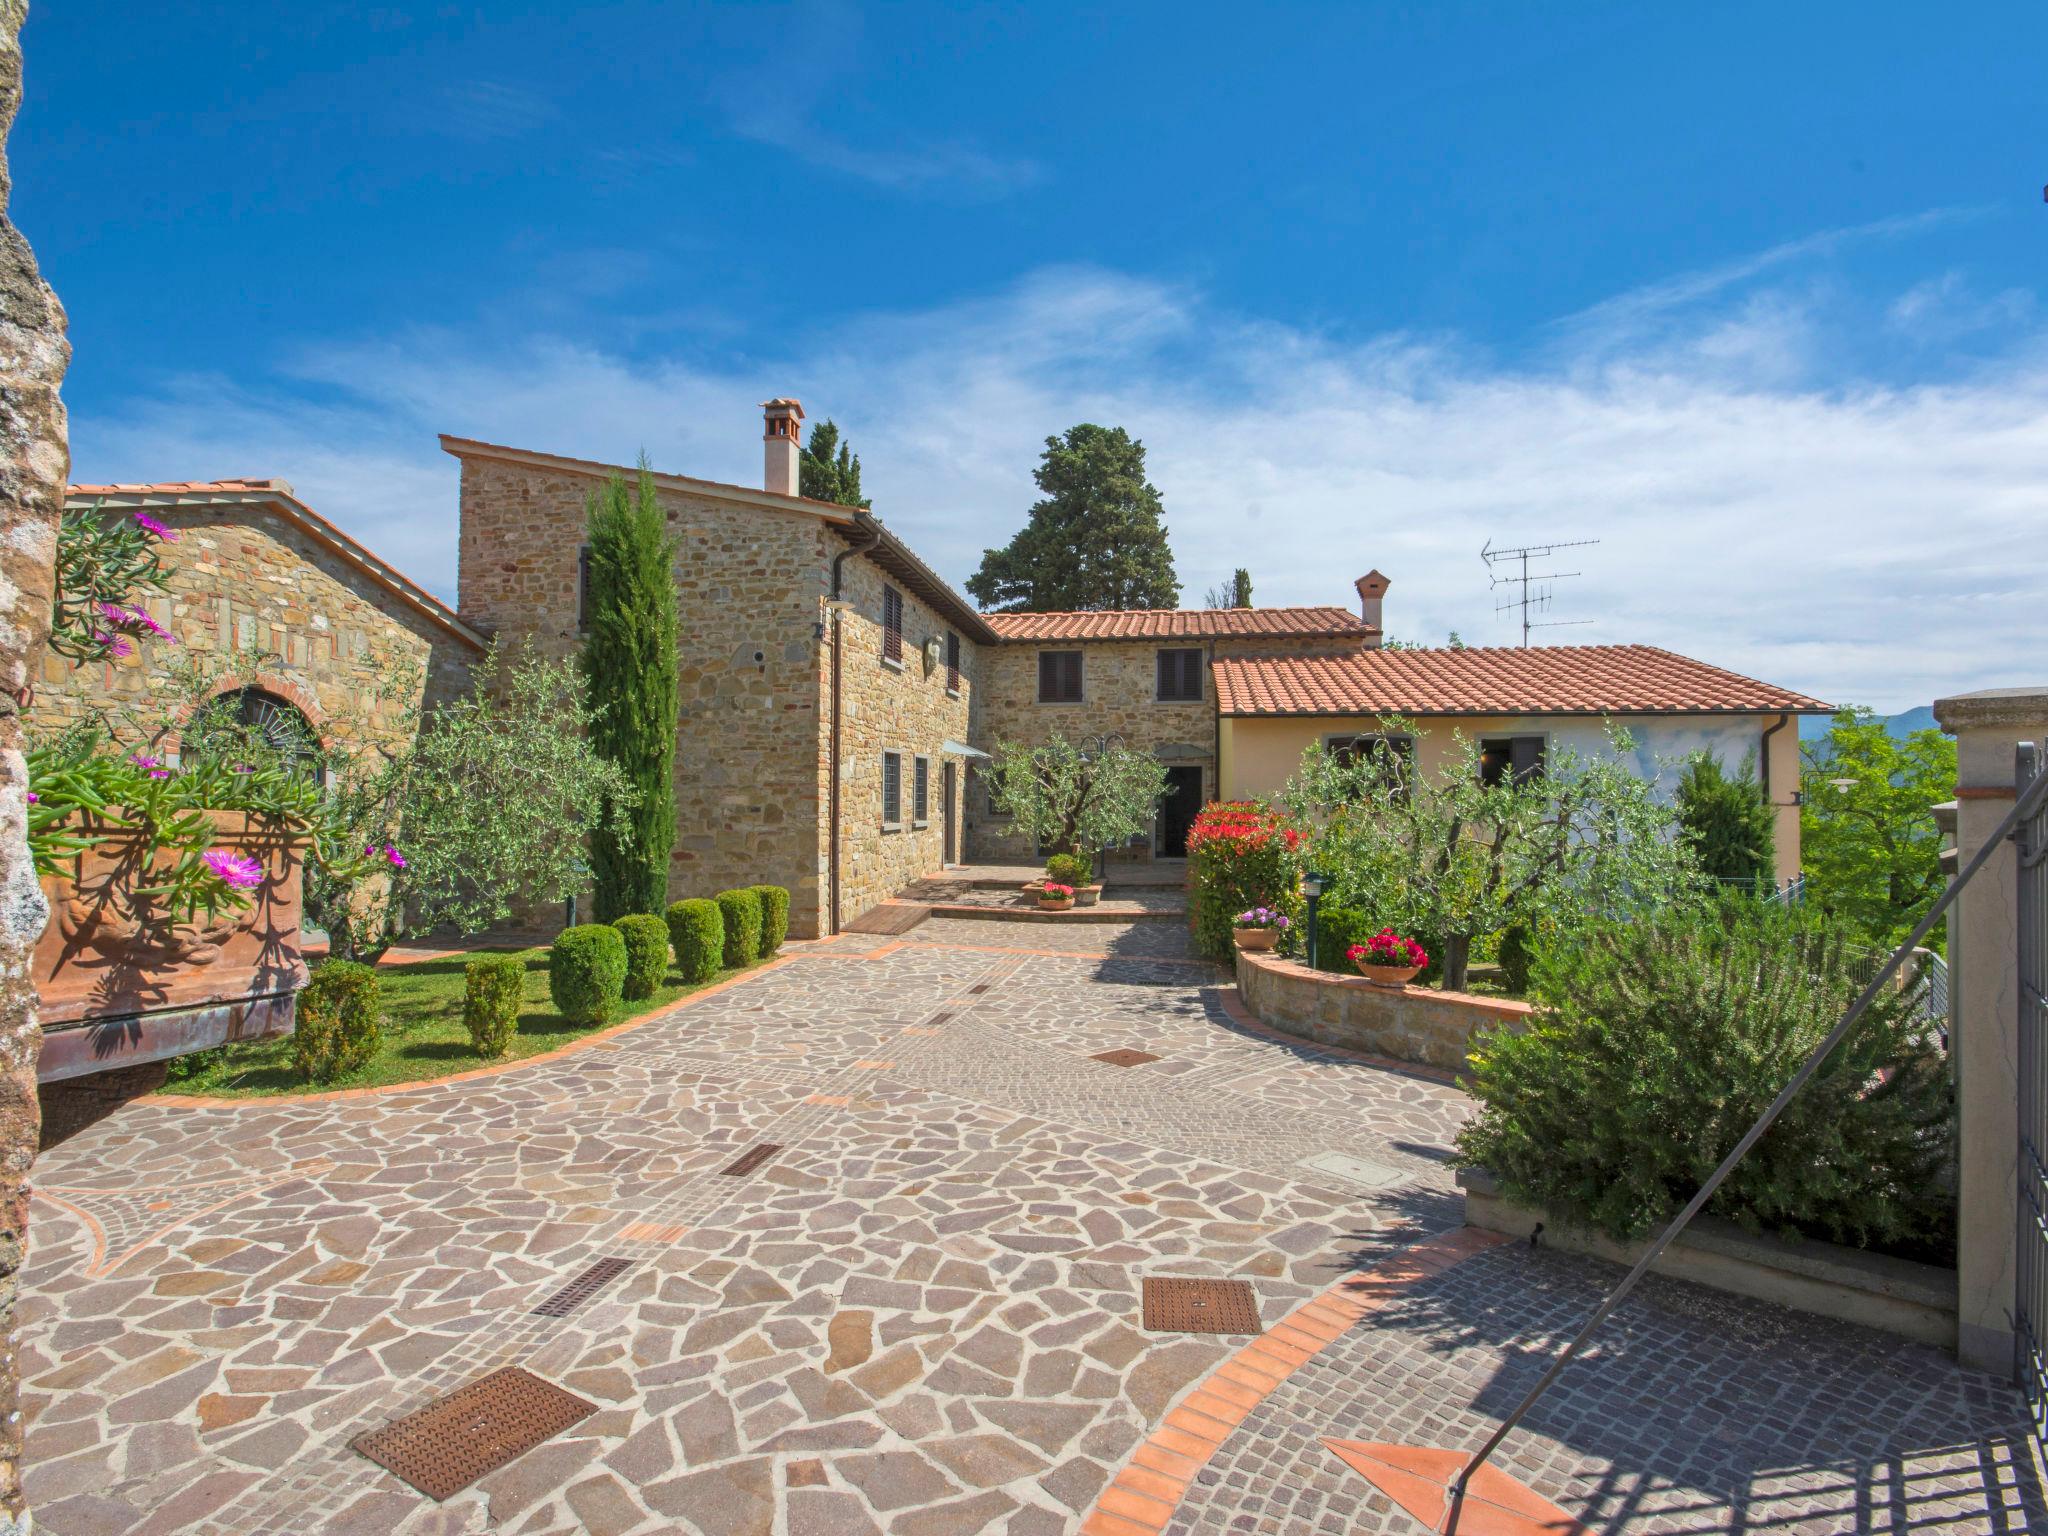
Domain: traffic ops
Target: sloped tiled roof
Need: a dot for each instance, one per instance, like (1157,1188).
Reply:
(1542,680)
(279,497)
(1180,624)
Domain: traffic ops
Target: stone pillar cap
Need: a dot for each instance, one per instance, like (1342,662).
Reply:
(1992,707)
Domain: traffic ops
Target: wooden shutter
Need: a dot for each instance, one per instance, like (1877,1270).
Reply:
(1059,677)
(1180,676)
(920,790)
(892,624)
(1526,757)
(892,787)
(952,662)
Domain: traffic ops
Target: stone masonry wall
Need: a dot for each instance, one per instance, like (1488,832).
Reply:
(243,578)
(889,708)
(1120,687)
(750,584)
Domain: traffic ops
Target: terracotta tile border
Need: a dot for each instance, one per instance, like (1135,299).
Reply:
(1231,1001)
(1142,1497)
(275,1101)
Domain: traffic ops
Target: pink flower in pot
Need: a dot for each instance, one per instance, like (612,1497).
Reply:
(234,869)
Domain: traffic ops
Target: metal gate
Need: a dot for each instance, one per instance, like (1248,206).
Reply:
(2030,1310)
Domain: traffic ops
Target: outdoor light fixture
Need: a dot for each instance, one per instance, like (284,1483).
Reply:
(1312,888)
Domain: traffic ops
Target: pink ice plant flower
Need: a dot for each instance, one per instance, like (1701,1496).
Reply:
(396,858)
(150,525)
(236,869)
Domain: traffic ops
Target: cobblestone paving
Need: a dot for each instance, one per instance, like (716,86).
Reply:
(1693,1412)
(920,1316)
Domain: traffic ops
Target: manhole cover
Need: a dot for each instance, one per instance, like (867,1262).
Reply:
(476,1429)
(1125,1057)
(1353,1170)
(583,1287)
(751,1159)
(1177,1305)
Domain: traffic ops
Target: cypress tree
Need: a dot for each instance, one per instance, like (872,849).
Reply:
(828,469)
(629,677)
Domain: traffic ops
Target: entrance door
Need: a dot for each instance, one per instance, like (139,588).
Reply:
(1178,810)
(948,852)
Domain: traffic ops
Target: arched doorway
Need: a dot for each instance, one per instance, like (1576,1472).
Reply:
(256,717)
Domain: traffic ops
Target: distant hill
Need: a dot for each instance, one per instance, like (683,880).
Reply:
(1903,724)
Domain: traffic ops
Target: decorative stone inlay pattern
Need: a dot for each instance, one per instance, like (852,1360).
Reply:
(920,1317)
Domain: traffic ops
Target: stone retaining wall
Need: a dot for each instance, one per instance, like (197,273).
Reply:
(1412,1024)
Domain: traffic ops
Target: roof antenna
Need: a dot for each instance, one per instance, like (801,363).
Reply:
(1519,574)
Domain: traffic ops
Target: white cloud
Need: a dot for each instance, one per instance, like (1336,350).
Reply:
(1859,542)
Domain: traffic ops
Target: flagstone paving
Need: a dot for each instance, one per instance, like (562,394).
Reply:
(919,1316)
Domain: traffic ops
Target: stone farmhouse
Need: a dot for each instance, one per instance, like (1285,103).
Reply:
(839,699)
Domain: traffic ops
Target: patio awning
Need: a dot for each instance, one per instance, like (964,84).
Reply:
(960,748)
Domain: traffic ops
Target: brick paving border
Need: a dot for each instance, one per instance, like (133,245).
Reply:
(1143,1496)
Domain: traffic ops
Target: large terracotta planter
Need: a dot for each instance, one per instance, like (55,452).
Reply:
(1255,939)
(1395,976)
(1055,903)
(121,981)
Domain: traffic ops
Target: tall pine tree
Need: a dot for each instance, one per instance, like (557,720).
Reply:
(828,470)
(1097,540)
(629,677)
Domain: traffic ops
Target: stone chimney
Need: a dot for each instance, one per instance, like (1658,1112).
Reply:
(783,424)
(1372,587)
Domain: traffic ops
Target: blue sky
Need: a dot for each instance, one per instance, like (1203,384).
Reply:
(1749,293)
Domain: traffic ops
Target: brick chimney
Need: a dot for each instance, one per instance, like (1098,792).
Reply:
(783,424)
(1372,587)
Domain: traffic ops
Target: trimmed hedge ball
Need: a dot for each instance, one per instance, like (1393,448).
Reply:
(742,912)
(696,931)
(493,988)
(587,972)
(646,939)
(338,1021)
(774,917)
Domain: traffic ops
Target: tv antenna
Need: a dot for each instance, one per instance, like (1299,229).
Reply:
(1518,574)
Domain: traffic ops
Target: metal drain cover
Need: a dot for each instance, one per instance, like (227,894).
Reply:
(1353,1170)
(584,1286)
(1125,1057)
(474,1430)
(750,1159)
(1178,1305)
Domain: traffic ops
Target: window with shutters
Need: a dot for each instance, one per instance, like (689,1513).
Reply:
(952,663)
(583,590)
(1180,676)
(892,626)
(920,791)
(1394,755)
(1502,757)
(892,791)
(1059,677)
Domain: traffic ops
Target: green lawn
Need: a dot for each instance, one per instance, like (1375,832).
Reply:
(423,1037)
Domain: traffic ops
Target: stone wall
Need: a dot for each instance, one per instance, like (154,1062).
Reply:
(243,579)
(1418,1024)
(750,584)
(891,708)
(34,464)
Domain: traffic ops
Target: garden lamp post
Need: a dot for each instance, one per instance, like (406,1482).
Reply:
(1312,888)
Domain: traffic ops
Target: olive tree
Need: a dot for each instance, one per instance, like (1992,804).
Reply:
(1450,857)
(1071,799)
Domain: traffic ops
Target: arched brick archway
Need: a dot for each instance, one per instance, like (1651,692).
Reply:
(294,694)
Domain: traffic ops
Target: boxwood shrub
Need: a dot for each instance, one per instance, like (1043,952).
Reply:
(741,910)
(646,939)
(696,931)
(774,917)
(1068,869)
(493,988)
(587,972)
(339,1021)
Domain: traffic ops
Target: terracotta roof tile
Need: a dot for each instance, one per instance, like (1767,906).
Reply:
(1179,624)
(1542,680)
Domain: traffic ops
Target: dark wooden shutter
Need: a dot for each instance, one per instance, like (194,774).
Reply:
(892,624)
(1059,677)
(920,790)
(892,787)
(1526,755)
(952,662)
(1180,676)
(583,590)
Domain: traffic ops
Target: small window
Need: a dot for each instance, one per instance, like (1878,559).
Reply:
(1349,749)
(920,791)
(892,789)
(952,662)
(1059,677)
(892,625)
(583,590)
(1180,677)
(1503,756)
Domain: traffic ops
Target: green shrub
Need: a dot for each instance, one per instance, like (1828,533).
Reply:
(774,917)
(741,910)
(338,1021)
(493,991)
(1337,929)
(1517,955)
(646,939)
(696,931)
(1657,1043)
(1068,869)
(587,972)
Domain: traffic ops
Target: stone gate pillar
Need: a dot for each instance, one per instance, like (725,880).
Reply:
(1984,976)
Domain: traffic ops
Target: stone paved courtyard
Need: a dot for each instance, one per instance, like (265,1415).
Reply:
(921,1314)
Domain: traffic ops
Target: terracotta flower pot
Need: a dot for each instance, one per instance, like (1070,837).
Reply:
(1055,903)
(1255,938)
(1395,976)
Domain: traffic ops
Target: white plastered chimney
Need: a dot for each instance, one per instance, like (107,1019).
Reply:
(782,427)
